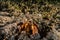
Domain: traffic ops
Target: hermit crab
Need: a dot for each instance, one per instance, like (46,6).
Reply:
(29,27)
(32,28)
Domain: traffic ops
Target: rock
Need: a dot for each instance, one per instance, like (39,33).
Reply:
(36,36)
(5,19)
(6,14)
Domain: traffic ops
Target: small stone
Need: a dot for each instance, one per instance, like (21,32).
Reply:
(36,36)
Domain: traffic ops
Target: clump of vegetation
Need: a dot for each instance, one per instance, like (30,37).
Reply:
(8,6)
